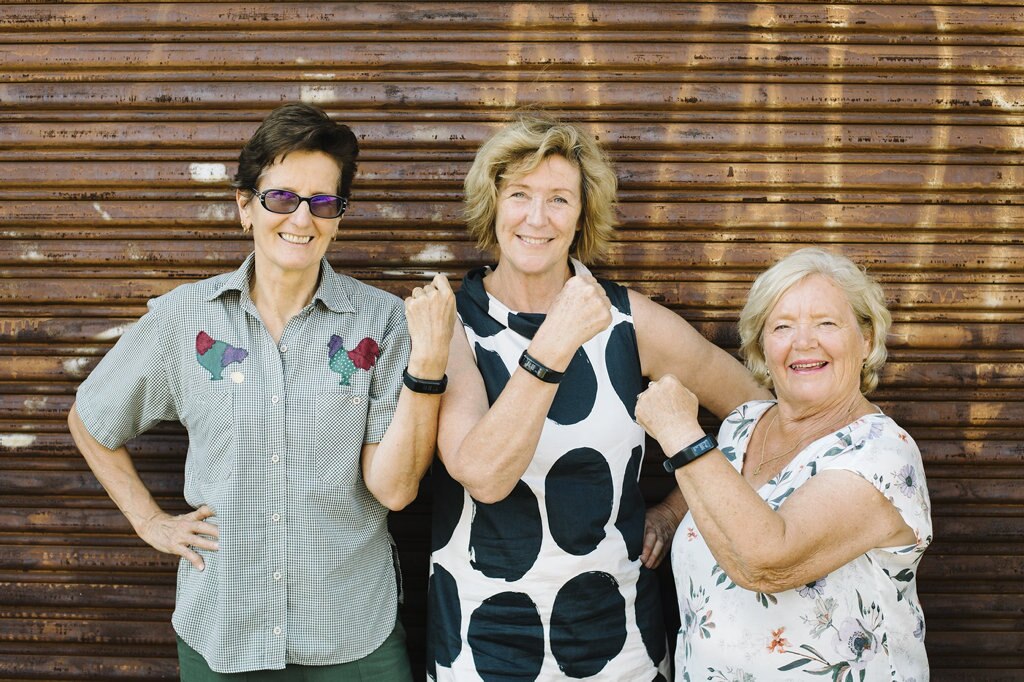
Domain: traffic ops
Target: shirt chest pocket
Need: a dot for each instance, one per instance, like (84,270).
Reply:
(339,428)
(212,434)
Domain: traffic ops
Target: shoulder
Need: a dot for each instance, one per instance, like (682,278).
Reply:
(879,430)
(366,296)
(874,446)
(741,418)
(620,296)
(191,292)
(187,298)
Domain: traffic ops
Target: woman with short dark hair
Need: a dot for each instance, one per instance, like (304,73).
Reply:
(310,401)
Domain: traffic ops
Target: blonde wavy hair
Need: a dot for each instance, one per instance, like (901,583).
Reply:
(863,293)
(517,150)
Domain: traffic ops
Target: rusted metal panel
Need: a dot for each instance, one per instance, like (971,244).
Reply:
(857,16)
(93,61)
(499,96)
(740,130)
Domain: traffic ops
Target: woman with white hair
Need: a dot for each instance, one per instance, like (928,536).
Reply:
(807,519)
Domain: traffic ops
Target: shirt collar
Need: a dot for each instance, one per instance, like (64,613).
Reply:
(332,290)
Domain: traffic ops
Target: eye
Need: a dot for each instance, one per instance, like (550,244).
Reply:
(517,195)
(560,200)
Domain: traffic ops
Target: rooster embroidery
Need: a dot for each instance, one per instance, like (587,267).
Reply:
(363,356)
(216,355)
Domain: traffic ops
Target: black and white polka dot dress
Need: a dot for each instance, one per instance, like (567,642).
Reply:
(547,583)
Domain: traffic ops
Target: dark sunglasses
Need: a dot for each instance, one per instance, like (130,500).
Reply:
(320,205)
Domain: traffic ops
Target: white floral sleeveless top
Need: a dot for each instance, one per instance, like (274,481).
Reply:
(862,622)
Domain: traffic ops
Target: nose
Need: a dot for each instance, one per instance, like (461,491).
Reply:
(536,214)
(805,336)
(301,216)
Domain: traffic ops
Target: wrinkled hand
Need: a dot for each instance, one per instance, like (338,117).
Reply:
(430,315)
(579,312)
(660,525)
(668,412)
(180,534)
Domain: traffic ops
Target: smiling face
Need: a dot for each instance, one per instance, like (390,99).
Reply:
(289,245)
(813,345)
(538,216)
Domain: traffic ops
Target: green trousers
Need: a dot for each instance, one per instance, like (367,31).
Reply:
(388,663)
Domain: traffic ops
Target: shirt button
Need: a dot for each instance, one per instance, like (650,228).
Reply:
(277,630)
(277,575)
(284,348)
(275,459)
(274,399)
(356,400)
(275,517)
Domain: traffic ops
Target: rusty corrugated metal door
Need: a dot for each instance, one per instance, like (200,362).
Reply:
(892,131)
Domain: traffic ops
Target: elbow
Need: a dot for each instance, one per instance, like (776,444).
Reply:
(764,574)
(488,494)
(484,486)
(763,581)
(760,570)
(397,500)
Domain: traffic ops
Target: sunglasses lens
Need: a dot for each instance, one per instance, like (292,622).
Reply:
(281,201)
(326,205)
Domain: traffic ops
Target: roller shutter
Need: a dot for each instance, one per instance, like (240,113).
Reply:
(740,131)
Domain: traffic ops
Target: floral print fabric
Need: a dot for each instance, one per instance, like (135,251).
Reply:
(861,622)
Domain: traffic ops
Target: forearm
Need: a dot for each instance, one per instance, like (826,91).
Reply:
(741,530)
(397,464)
(496,452)
(117,474)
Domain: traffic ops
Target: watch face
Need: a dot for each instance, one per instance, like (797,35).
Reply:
(690,453)
(703,446)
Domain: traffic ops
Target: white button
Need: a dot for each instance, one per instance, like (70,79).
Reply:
(275,459)
(274,399)
(277,575)
(284,348)
(275,517)
(277,630)
(356,400)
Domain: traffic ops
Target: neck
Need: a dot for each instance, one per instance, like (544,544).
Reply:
(526,292)
(802,421)
(279,296)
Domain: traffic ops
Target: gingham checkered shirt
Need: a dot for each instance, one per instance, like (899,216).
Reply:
(306,570)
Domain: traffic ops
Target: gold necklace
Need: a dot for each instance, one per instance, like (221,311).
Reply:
(767,431)
(764,441)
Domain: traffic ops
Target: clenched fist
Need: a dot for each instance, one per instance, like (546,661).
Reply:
(579,313)
(430,315)
(668,412)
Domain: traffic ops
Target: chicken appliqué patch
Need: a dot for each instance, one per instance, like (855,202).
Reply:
(346,362)
(215,355)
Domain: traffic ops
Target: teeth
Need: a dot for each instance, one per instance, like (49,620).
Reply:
(295,239)
(533,240)
(807,365)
